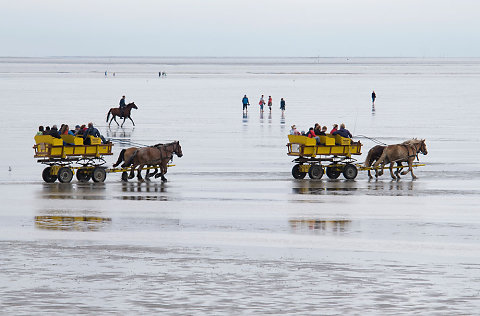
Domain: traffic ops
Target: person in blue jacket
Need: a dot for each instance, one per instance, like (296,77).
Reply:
(343,132)
(94,132)
(245,103)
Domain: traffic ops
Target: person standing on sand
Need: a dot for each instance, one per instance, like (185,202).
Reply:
(270,103)
(261,103)
(374,96)
(282,105)
(245,103)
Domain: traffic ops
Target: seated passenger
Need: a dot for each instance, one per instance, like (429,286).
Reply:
(317,129)
(294,130)
(324,131)
(81,130)
(343,132)
(54,132)
(334,129)
(311,134)
(40,130)
(94,132)
(77,130)
(47,131)
(321,131)
(65,130)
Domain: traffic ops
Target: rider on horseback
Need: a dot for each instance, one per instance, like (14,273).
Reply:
(122,106)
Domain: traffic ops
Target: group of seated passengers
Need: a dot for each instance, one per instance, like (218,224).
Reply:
(321,131)
(79,131)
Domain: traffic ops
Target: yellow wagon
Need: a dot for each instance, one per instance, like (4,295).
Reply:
(60,155)
(68,155)
(332,156)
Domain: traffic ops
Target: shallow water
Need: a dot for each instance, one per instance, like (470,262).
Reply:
(232,232)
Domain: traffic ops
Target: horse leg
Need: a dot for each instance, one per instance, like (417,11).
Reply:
(132,121)
(115,119)
(139,172)
(154,171)
(163,168)
(123,121)
(132,172)
(410,167)
(399,169)
(391,171)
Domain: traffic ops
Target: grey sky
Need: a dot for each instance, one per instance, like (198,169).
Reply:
(240,28)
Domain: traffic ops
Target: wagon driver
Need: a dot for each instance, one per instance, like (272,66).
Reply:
(122,105)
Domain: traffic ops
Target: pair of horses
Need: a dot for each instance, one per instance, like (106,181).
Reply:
(398,153)
(156,156)
(122,114)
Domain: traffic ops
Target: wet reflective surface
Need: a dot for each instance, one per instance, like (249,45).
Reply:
(232,232)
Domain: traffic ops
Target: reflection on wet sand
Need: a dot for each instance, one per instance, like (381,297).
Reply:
(245,118)
(391,185)
(330,187)
(148,187)
(318,225)
(72,223)
(347,187)
(79,191)
(118,132)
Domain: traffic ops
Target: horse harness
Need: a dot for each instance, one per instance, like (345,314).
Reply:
(163,151)
(415,152)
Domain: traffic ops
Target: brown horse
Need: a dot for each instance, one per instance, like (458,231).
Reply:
(125,156)
(118,112)
(373,155)
(158,155)
(407,151)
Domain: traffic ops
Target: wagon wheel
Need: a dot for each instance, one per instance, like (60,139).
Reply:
(99,174)
(83,175)
(315,172)
(47,177)
(350,171)
(296,173)
(65,175)
(125,176)
(333,173)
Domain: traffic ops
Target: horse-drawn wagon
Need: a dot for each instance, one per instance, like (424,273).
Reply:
(68,155)
(333,156)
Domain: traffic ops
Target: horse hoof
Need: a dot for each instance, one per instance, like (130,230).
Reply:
(164,179)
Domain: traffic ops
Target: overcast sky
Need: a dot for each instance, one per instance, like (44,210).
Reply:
(240,28)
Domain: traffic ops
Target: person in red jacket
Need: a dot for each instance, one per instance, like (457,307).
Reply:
(334,129)
(311,134)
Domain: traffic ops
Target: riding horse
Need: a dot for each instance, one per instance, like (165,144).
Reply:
(405,152)
(118,112)
(158,155)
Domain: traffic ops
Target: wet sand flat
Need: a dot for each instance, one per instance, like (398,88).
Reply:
(232,232)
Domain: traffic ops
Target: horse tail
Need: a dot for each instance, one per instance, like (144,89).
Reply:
(369,160)
(382,158)
(108,114)
(130,160)
(121,157)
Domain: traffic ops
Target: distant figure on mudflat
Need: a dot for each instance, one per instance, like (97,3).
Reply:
(261,103)
(159,74)
(374,96)
(245,103)
(270,103)
(282,105)
(105,73)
